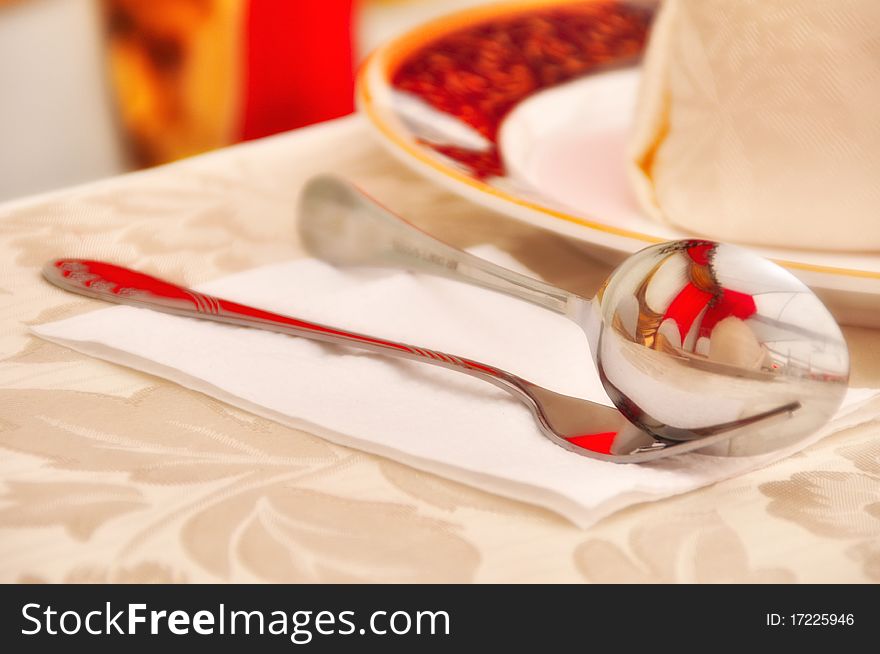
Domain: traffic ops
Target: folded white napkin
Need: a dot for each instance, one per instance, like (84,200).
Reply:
(431,418)
(756,122)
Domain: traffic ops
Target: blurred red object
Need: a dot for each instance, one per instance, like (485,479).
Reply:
(299,64)
(193,75)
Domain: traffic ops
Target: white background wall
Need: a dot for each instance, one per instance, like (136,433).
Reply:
(56,123)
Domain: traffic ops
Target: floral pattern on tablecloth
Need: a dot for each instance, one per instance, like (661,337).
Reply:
(111,475)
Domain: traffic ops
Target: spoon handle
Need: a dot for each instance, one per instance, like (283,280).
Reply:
(340,224)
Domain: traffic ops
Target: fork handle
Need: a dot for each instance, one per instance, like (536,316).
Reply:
(112,283)
(340,224)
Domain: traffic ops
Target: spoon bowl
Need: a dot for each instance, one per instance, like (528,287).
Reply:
(695,333)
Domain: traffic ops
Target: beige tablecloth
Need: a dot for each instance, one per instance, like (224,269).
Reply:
(89,491)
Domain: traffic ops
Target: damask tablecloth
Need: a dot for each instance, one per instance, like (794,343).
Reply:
(111,475)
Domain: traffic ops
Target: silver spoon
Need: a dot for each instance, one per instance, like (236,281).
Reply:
(698,344)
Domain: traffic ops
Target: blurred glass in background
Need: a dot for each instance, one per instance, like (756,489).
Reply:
(92,88)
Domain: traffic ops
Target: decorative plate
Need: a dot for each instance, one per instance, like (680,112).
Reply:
(524,108)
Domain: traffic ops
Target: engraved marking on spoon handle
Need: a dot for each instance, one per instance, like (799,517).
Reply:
(341,224)
(431,256)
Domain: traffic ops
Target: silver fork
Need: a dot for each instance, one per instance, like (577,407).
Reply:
(578,425)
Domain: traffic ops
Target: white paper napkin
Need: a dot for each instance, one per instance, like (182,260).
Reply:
(434,419)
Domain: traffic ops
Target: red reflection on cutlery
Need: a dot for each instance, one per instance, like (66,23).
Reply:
(600,442)
(137,287)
